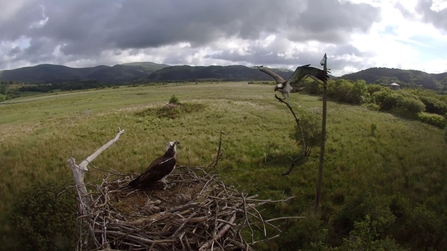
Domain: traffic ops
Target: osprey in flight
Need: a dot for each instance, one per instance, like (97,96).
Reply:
(158,170)
(285,87)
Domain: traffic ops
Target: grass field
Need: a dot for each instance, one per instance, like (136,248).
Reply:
(397,158)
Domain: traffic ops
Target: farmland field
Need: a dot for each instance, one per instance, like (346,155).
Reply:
(373,159)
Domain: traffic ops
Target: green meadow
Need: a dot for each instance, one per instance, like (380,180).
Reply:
(384,183)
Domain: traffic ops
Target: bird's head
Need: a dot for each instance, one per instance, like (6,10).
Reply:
(172,146)
(279,86)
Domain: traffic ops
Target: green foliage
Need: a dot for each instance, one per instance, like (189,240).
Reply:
(410,106)
(261,83)
(373,107)
(42,219)
(390,101)
(348,92)
(174,100)
(339,89)
(364,236)
(379,97)
(314,87)
(309,233)
(434,105)
(3,87)
(372,88)
(399,102)
(404,157)
(311,125)
(432,119)
(358,94)
(373,129)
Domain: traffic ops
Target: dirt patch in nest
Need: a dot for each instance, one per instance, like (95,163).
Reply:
(157,199)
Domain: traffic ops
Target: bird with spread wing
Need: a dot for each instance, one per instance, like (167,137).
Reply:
(158,170)
(285,86)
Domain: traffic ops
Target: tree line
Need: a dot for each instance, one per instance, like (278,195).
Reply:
(422,104)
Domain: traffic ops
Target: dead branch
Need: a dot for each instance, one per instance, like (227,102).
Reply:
(303,156)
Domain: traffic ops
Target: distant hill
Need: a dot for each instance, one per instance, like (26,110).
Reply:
(47,73)
(228,73)
(410,78)
(152,72)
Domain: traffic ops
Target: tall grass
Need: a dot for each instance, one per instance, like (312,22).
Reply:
(38,135)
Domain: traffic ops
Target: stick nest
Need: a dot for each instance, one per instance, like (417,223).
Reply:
(196,212)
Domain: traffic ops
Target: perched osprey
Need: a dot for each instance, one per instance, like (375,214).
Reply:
(158,170)
(285,87)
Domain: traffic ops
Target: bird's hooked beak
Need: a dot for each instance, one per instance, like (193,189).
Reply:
(172,145)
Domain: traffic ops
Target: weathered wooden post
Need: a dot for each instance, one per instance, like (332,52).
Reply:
(323,136)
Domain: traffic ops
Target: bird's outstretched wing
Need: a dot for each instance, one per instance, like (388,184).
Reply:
(272,74)
(305,70)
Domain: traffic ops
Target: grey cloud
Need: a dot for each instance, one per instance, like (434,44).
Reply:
(264,56)
(141,24)
(330,21)
(14,51)
(438,19)
(82,29)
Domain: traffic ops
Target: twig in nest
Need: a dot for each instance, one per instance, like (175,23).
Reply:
(213,217)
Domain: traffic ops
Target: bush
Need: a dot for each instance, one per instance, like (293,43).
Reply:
(432,119)
(339,90)
(434,105)
(314,87)
(410,104)
(174,100)
(311,125)
(43,220)
(373,88)
(379,97)
(390,101)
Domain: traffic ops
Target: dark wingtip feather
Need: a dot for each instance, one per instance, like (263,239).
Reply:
(322,75)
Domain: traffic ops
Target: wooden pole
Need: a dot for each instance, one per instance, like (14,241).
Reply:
(323,138)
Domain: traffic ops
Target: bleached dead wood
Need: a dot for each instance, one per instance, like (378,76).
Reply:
(80,170)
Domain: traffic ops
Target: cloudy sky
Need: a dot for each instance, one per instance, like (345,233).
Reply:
(356,34)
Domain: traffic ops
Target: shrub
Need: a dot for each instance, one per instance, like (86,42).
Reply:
(390,101)
(174,100)
(358,93)
(434,105)
(373,88)
(339,90)
(373,107)
(432,119)
(314,87)
(379,97)
(410,104)
(311,125)
(43,220)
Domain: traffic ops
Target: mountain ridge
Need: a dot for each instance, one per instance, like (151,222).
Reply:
(137,72)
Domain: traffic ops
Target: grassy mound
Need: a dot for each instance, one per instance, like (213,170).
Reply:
(172,111)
